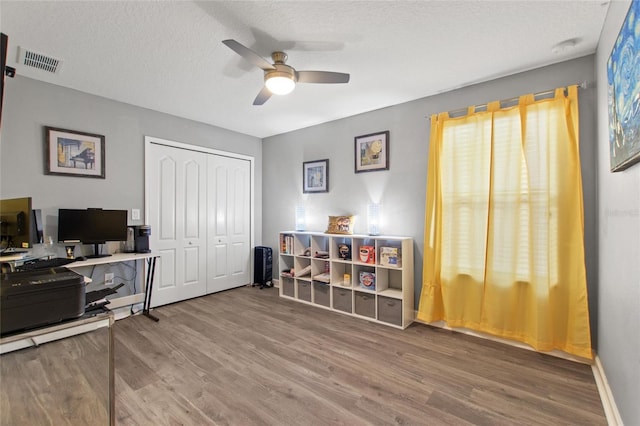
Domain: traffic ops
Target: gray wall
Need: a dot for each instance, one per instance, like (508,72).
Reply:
(30,104)
(402,189)
(619,250)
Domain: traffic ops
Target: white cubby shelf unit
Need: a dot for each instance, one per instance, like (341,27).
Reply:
(314,270)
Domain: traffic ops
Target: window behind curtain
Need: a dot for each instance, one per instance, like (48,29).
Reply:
(524,233)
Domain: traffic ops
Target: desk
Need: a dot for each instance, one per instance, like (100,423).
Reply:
(38,367)
(127,257)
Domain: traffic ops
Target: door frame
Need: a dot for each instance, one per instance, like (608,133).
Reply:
(152,140)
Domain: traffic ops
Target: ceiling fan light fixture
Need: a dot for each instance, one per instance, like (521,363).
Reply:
(280,84)
(280,78)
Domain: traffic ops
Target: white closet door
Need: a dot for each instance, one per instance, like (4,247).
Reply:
(177,185)
(229,206)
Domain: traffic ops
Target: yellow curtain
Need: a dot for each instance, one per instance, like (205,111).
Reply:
(504,251)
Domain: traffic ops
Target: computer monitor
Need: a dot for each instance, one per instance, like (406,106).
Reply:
(92,226)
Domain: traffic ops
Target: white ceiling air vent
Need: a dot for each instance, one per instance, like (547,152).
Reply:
(42,62)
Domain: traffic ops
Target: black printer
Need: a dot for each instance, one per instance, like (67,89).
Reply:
(40,297)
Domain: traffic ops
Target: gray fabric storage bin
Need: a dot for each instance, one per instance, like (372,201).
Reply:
(390,310)
(365,304)
(342,299)
(288,288)
(304,290)
(321,294)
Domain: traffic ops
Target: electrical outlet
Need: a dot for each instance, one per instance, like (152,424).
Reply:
(108,278)
(135,214)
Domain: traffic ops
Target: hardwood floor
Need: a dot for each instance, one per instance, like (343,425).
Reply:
(246,356)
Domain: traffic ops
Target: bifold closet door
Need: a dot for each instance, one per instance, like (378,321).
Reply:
(229,223)
(177,211)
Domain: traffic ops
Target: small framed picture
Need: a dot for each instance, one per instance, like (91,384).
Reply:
(372,152)
(73,153)
(315,176)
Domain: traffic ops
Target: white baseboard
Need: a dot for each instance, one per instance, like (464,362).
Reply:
(608,403)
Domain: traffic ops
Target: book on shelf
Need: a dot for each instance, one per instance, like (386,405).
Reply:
(286,244)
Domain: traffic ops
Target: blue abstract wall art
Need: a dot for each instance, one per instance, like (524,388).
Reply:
(623,74)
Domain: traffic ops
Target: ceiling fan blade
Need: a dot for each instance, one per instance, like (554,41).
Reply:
(263,96)
(322,77)
(248,54)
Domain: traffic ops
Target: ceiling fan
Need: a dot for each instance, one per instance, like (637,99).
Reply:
(280,78)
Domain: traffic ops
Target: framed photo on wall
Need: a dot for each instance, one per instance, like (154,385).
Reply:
(372,152)
(315,176)
(73,153)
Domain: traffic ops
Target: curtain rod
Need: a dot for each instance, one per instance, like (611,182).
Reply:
(462,111)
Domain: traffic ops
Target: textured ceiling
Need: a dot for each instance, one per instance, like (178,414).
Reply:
(169,56)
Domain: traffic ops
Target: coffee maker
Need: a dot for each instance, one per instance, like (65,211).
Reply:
(141,237)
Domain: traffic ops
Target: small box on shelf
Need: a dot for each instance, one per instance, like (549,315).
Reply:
(390,256)
(340,248)
(344,251)
(367,280)
(367,254)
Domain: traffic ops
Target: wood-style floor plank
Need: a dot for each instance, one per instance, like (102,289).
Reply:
(247,357)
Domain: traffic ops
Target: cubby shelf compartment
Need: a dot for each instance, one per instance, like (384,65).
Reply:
(333,280)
